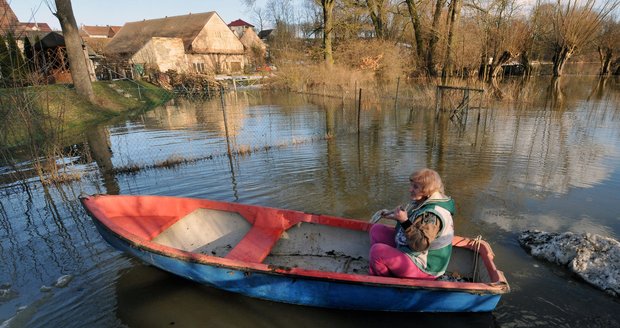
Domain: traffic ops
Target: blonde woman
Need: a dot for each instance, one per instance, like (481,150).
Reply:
(421,243)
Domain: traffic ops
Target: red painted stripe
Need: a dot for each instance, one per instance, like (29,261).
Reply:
(256,245)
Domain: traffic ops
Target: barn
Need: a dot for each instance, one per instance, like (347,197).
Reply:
(193,43)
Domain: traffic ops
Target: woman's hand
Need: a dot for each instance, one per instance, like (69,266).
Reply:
(397,214)
(400,215)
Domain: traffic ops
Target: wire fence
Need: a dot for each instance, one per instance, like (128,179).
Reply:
(189,129)
(38,117)
(236,124)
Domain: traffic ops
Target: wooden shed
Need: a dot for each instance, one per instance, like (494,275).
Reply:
(52,60)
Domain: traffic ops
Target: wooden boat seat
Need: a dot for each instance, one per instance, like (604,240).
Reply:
(267,228)
(256,244)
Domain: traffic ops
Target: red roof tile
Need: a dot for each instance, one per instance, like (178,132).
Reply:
(240,22)
(43,27)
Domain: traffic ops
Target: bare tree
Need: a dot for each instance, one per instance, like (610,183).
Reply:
(378,14)
(453,16)
(535,35)
(502,34)
(259,15)
(431,55)
(328,26)
(282,11)
(607,43)
(351,19)
(417,30)
(75,51)
(574,23)
(516,42)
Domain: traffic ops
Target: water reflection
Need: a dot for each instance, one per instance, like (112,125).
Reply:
(100,150)
(148,297)
(46,236)
(529,164)
(556,96)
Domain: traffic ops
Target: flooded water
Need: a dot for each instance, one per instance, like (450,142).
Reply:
(551,163)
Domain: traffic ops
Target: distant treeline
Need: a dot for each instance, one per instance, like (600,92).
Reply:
(444,38)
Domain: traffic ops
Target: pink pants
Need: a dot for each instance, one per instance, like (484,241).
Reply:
(387,260)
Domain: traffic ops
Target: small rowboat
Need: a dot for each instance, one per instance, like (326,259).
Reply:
(285,255)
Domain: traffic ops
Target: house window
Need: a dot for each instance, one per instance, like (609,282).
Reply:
(235,66)
(199,67)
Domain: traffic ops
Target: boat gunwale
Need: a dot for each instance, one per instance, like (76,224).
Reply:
(499,286)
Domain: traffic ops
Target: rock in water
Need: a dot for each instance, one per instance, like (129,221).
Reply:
(63,281)
(45,289)
(7,294)
(596,259)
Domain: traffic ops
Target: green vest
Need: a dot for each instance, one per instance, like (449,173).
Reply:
(433,261)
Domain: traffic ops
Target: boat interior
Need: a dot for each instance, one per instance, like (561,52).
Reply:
(305,245)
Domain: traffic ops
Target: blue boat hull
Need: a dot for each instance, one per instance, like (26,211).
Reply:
(327,293)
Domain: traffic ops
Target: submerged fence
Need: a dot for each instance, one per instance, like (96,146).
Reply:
(236,124)
(191,129)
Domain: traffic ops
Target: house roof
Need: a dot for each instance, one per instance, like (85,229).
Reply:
(43,27)
(250,39)
(52,40)
(101,31)
(134,35)
(95,30)
(115,29)
(34,36)
(8,20)
(240,22)
(96,44)
(265,33)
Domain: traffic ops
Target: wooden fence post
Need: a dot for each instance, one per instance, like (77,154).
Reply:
(225,120)
(359,109)
(396,97)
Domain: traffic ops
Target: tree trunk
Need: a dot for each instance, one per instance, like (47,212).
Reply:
(415,21)
(377,15)
(525,61)
(75,52)
(431,59)
(453,13)
(605,55)
(504,58)
(328,25)
(561,56)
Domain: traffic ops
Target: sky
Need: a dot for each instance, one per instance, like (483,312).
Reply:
(119,12)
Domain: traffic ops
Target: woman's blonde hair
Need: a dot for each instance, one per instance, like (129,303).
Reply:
(428,180)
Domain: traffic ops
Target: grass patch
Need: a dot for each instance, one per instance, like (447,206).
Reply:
(36,121)
(26,112)
(120,96)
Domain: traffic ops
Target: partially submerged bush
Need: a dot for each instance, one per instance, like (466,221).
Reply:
(386,60)
(372,65)
(188,83)
(312,79)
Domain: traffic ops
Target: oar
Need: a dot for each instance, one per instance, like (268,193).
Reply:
(380,214)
